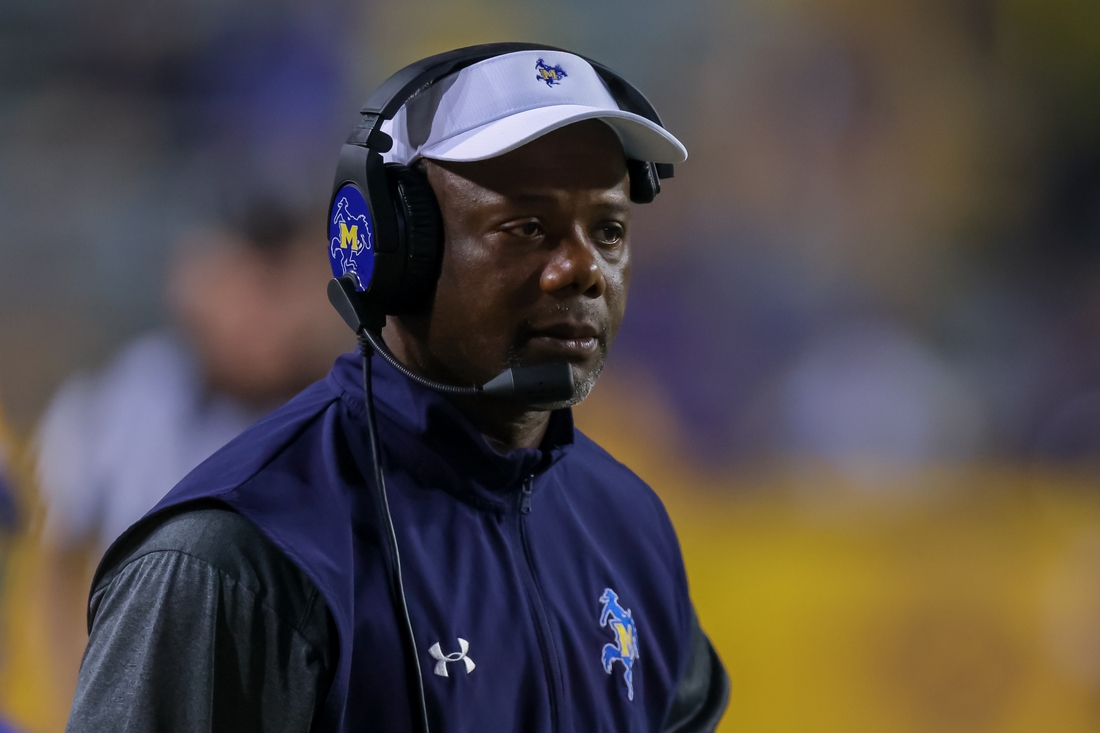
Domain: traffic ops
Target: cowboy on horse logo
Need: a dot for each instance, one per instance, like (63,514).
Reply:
(350,238)
(625,647)
(550,74)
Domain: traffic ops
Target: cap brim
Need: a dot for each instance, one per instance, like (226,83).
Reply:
(641,139)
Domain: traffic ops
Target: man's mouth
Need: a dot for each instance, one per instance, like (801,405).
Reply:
(569,341)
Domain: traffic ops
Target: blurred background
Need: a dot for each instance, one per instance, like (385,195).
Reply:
(861,360)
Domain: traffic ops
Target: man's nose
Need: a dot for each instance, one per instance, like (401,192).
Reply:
(574,265)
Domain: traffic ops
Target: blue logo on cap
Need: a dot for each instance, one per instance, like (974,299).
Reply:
(351,241)
(550,74)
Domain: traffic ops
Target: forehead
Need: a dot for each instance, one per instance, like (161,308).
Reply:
(582,157)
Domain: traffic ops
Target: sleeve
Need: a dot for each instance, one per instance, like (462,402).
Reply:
(703,693)
(180,644)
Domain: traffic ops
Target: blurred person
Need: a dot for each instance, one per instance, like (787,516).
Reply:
(543,586)
(251,329)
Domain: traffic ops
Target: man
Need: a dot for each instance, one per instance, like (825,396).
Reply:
(543,580)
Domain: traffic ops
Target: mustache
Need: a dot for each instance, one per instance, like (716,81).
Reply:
(564,318)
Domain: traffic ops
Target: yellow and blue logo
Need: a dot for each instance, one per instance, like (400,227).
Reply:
(550,74)
(625,646)
(350,238)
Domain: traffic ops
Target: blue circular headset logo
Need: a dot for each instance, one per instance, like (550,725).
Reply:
(350,237)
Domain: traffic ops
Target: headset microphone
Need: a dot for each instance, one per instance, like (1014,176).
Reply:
(538,384)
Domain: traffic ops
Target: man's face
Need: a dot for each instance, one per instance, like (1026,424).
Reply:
(536,258)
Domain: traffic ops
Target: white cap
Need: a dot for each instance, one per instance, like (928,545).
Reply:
(497,105)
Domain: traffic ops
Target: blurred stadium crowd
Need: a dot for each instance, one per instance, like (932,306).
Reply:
(861,359)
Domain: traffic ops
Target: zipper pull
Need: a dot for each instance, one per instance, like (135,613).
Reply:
(525,497)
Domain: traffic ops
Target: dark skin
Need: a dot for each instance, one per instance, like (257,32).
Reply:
(536,263)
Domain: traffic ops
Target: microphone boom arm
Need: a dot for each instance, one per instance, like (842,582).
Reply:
(540,383)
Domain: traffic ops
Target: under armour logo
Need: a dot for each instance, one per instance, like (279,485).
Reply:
(441,665)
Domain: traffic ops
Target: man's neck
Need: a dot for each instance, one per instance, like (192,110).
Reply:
(505,425)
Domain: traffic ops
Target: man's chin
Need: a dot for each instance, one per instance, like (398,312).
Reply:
(584,379)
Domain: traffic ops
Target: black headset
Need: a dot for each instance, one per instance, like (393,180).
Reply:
(386,244)
(384,222)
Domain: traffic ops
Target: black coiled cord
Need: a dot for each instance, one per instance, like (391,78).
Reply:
(368,340)
(397,587)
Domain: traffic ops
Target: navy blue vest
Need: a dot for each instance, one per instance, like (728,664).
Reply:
(545,587)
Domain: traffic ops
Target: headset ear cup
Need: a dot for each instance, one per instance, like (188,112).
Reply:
(420,225)
(644,183)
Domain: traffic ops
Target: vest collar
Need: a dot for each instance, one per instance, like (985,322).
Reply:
(428,436)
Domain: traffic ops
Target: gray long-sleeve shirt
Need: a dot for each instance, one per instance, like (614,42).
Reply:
(202,624)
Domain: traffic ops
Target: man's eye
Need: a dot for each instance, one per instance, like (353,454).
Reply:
(528,230)
(610,234)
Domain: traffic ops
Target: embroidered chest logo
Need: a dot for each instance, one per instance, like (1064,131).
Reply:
(625,647)
(552,75)
(444,659)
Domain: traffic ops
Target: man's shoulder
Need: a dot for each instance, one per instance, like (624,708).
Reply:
(289,433)
(605,470)
(262,460)
(605,480)
(205,530)
(227,543)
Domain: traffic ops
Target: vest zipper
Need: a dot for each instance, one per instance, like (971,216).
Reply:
(542,623)
(525,497)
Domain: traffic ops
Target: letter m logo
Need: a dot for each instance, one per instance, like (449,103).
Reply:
(349,236)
